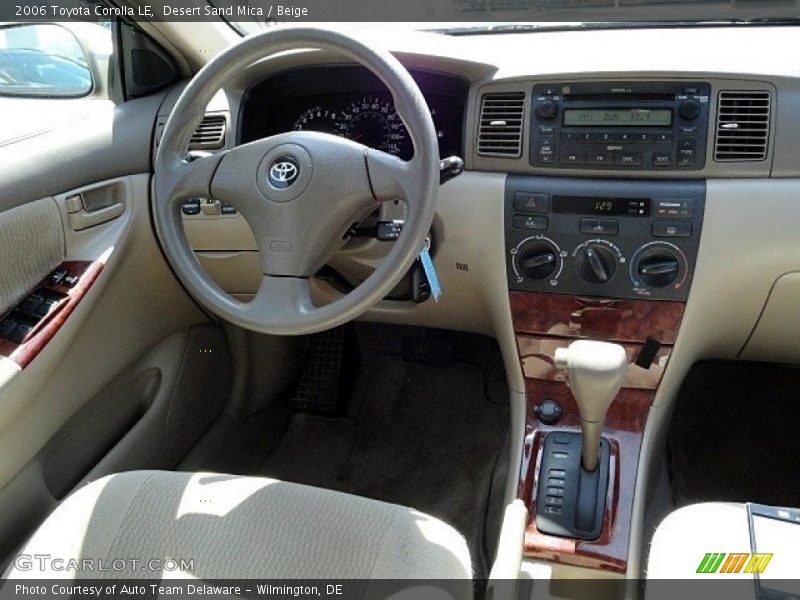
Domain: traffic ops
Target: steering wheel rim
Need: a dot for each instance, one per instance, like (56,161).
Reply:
(327,166)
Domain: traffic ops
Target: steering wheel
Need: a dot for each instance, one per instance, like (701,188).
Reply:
(299,191)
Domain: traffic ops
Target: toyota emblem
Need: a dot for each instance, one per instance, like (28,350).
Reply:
(283,172)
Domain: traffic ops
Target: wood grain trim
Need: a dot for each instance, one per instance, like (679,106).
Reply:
(87,273)
(536,354)
(596,318)
(544,322)
(624,426)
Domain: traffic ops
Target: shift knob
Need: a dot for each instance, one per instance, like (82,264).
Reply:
(595,372)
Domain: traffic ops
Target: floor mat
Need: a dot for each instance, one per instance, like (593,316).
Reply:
(734,435)
(424,437)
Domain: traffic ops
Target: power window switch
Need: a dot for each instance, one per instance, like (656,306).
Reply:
(7,326)
(44,308)
(30,304)
(57,276)
(70,280)
(19,333)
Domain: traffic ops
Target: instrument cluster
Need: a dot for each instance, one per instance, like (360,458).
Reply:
(350,102)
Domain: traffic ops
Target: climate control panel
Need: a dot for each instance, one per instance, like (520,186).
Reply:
(615,239)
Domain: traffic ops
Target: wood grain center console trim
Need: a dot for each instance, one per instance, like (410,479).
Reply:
(544,322)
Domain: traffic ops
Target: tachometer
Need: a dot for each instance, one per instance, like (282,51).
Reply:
(325,120)
(375,123)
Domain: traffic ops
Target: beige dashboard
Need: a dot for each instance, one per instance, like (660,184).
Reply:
(747,269)
(748,240)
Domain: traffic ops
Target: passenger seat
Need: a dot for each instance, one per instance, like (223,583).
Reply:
(719,540)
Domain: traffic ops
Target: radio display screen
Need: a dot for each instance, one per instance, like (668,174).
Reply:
(618,117)
(585,205)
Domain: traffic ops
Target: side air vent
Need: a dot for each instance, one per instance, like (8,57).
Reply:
(500,129)
(210,135)
(742,126)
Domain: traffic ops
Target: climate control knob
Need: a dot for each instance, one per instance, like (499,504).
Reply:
(658,268)
(537,259)
(596,264)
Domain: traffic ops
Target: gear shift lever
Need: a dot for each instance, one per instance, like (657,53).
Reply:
(596,371)
(573,476)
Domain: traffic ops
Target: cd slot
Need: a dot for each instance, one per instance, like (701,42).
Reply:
(615,98)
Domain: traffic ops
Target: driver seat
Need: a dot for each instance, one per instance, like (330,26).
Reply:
(230,527)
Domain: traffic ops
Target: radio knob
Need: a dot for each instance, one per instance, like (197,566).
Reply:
(658,268)
(538,260)
(690,110)
(547,110)
(596,264)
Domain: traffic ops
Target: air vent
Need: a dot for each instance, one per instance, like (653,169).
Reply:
(742,126)
(210,134)
(500,130)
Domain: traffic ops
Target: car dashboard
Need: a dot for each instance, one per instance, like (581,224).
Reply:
(612,191)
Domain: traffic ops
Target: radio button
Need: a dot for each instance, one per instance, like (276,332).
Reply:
(605,137)
(672,228)
(569,136)
(546,158)
(600,226)
(598,158)
(662,160)
(572,158)
(536,223)
(526,202)
(547,110)
(686,144)
(664,137)
(689,110)
(547,129)
(628,159)
(685,158)
(643,137)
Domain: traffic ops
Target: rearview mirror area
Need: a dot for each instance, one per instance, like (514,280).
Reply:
(42,60)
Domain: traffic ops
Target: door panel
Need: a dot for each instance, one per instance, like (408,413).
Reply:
(132,305)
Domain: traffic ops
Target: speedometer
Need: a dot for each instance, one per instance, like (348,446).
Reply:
(325,120)
(375,123)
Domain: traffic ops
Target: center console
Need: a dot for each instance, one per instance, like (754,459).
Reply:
(608,261)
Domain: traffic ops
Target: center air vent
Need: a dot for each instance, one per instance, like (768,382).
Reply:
(742,126)
(500,129)
(210,135)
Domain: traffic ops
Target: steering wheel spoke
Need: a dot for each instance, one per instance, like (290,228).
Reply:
(392,178)
(190,178)
(284,299)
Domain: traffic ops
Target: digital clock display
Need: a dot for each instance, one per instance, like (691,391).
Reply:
(617,207)
(618,117)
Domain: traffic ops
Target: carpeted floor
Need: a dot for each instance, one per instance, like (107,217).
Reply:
(421,434)
(734,435)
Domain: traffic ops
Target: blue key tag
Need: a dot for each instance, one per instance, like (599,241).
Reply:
(430,270)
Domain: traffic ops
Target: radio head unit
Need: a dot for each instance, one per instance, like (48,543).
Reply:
(620,125)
